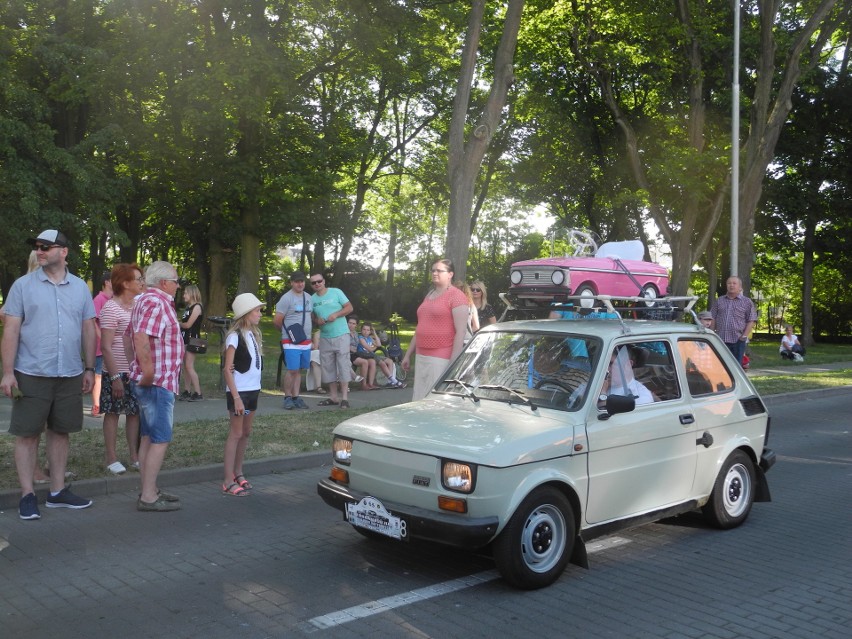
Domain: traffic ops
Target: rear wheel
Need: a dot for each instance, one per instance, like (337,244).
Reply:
(733,493)
(535,546)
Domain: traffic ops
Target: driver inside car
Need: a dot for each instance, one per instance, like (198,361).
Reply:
(620,380)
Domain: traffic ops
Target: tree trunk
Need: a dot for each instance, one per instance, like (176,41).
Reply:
(808,283)
(464,159)
(220,258)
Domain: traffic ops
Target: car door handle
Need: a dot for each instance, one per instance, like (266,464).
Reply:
(687,419)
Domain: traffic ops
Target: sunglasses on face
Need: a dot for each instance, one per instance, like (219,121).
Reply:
(44,248)
(315,282)
(476,290)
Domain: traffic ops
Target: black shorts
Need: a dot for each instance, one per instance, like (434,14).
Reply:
(249,400)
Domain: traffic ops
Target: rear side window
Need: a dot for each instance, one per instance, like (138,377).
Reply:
(705,371)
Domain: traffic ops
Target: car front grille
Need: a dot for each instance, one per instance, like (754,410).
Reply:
(537,276)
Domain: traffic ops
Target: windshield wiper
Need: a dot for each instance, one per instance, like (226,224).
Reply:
(467,388)
(524,399)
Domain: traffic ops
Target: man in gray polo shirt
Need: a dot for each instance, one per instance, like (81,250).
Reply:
(50,321)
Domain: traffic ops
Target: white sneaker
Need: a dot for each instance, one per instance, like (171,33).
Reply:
(116,468)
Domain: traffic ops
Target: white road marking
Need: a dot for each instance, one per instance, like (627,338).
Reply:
(340,617)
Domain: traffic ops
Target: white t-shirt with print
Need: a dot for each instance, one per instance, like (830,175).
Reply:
(250,380)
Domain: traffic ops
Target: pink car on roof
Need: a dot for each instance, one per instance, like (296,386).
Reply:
(614,268)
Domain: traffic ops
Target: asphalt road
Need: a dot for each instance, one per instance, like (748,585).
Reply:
(282,564)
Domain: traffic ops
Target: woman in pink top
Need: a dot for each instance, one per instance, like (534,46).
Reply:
(116,397)
(441,328)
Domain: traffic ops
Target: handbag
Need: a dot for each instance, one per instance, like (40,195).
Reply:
(197,345)
(296,332)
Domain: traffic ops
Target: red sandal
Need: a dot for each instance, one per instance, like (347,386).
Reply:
(235,490)
(242,482)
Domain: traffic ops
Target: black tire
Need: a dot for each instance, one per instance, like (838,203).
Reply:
(535,546)
(733,493)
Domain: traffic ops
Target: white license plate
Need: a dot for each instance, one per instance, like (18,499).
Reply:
(370,514)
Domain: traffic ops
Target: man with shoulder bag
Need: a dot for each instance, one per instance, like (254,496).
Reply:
(293,319)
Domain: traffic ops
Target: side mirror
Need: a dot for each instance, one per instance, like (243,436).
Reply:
(616,404)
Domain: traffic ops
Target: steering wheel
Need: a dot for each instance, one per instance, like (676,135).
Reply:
(582,242)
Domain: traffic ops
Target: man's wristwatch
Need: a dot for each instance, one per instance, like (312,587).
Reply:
(88,368)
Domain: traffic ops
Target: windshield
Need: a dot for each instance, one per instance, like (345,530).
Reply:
(547,370)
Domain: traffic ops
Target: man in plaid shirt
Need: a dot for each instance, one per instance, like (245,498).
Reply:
(734,317)
(155,373)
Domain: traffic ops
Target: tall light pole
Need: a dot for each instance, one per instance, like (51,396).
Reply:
(735,146)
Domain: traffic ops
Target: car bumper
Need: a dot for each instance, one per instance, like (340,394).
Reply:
(535,295)
(454,530)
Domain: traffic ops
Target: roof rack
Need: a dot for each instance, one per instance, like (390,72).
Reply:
(668,308)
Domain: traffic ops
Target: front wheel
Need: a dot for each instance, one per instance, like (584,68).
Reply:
(535,546)
(586,292)
(733,493)
(650,293)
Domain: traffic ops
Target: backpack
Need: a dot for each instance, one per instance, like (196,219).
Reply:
(394,348)
(393,345)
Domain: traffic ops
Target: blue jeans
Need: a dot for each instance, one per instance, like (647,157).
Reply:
(156,412)
(738,349)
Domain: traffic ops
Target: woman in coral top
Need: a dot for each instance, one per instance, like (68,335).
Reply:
(441,328)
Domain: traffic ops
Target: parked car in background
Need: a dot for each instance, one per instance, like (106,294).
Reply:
(613,268)
(545,434)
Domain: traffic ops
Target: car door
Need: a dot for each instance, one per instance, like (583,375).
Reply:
(719,415)
(644,459)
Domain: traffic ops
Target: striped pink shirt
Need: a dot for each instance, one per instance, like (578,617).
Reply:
(154,315)
(114,317)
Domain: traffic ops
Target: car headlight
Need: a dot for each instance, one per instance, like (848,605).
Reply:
(517,277)
(557,277)
(341,448)
(458,477)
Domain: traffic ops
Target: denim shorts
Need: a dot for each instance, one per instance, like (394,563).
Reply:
(99,365)
(156,412)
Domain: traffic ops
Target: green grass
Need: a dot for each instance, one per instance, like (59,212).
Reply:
(764,354)
(782,384)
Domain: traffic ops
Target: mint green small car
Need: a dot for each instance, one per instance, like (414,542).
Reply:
(545,434)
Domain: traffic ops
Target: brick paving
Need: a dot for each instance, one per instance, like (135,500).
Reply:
(267,565)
